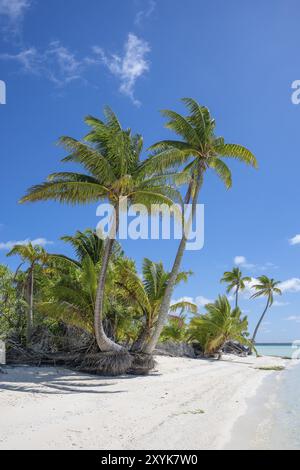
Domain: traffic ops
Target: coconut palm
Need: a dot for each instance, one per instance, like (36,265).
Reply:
(33,255)
(266,287)
(236,282)
(146,294)
(219,325)
(86,243)
(110,157)
(72,299)
(199,150)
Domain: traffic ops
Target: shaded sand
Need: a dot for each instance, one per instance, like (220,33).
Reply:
(184,404)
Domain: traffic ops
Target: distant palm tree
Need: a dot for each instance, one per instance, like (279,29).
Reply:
(33,255)
(236,282)
(219,325)
(199,150)
(111,159)
(266,288)
(146,294)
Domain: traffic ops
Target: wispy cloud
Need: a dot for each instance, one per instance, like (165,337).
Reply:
(61,65)
(10,244)
(57,63)
(280,304)
(130,66)
(243,262)
(145,13)
(12,14)
(295,240)
(294,318)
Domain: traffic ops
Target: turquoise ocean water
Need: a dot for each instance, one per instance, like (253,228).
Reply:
(280,350)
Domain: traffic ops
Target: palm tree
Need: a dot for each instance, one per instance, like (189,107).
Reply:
(146,294)
(86,243)
(33,255)
(73,302)
(111,158)
(219,325)
(199,150)
(265,288)
(236,282)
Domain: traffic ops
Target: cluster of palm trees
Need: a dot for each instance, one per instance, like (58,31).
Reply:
(112,169)
(264,287)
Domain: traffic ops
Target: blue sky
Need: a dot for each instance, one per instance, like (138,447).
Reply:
(64,60)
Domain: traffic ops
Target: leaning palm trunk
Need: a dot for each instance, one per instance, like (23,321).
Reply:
(105,344)
(260,321)
(165,306)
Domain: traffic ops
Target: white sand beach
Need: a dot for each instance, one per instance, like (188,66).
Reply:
(184,404)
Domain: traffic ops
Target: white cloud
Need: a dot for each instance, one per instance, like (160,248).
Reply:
(295,240)
(14,9)
(129,67)
(294,318)
(202,301)
(280,304)
(290,285)
(12,12)
(145,13)
(38,241)
(240,260)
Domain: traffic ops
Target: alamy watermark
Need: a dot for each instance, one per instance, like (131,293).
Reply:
(296,93)
(160,222)
(2,92)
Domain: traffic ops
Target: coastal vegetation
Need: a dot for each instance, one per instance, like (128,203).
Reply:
(98,297)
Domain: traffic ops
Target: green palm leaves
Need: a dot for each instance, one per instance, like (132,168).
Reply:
(236,282)
(265,287)
(110,158)
(219,325)
(199,148)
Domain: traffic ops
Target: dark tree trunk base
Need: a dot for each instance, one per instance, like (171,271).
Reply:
(142,364)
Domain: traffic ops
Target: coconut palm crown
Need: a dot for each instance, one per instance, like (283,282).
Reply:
(235,281)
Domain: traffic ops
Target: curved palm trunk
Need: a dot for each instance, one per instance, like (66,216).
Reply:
(165,306)
(105,344)
(260,321)
(30,309)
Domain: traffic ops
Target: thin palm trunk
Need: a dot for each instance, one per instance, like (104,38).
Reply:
(30,309)
(105,344)
(237,297)
(165,306)
(260,321)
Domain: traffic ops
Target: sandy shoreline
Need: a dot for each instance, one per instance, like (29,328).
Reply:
(184,404)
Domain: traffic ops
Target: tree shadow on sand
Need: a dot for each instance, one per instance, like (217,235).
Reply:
(55,382)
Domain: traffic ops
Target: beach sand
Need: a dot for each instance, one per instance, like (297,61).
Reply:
(185,404)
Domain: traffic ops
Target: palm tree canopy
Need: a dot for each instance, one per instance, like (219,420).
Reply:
(110,157)
(146,293)
(266,287)
(235,279)
(31,253)
(219,325)
(199,146)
